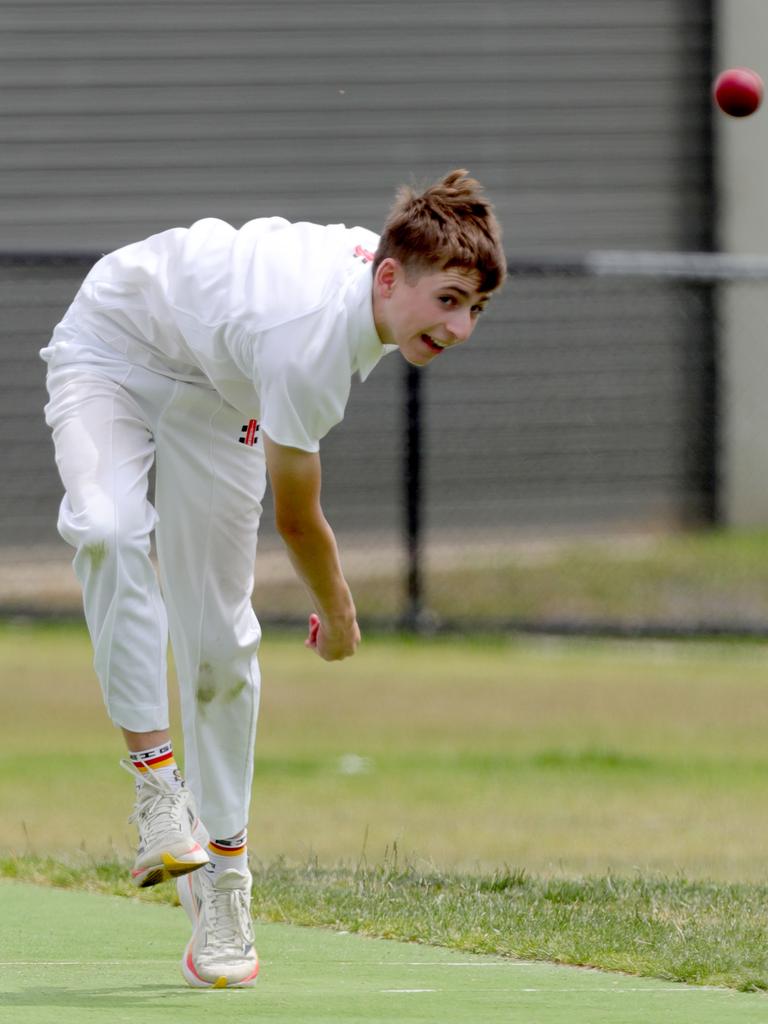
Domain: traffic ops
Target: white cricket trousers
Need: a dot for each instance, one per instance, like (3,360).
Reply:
(110,421)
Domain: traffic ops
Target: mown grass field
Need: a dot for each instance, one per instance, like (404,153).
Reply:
(597,803)
(558,758)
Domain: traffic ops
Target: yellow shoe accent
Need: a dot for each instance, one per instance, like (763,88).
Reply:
(176,867)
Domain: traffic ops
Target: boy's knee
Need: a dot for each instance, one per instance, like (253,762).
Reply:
(99,532)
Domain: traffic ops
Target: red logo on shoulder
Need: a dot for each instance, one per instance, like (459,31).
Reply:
(363,254)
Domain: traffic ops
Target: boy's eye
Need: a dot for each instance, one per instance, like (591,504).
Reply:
(447,300)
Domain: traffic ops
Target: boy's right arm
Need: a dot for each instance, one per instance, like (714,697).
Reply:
(295,478)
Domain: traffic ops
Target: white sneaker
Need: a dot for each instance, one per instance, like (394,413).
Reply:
(220,953)
(165,818)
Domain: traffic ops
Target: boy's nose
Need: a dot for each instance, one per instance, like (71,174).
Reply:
(461,326)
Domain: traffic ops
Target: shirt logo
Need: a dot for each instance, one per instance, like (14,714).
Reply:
(248,433)
(363,254)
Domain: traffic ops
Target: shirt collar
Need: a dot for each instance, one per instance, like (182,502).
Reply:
(365,344)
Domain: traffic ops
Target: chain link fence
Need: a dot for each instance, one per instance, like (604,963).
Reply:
(519,482)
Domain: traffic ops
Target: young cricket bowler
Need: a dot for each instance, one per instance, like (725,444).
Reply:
(219,355)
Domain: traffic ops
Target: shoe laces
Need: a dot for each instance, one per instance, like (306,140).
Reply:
(160,808)
(227,920)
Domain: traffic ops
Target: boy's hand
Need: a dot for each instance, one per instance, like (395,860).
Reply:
(335,645)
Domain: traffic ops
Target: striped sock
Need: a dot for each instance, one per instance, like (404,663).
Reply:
(229,853)
(159,760)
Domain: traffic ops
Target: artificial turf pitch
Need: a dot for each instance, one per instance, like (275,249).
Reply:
(70,956)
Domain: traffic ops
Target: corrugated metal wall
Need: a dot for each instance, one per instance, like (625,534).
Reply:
(587,122)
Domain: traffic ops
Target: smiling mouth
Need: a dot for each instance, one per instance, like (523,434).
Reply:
(431,343)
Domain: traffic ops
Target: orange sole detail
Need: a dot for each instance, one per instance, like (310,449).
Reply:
(193,978)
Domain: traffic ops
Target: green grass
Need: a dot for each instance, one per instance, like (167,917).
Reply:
(560,758)
(702,933)
(597,803)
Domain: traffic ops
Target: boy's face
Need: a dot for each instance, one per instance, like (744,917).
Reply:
(425,315)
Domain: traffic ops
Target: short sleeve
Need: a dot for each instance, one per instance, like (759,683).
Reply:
(305,379)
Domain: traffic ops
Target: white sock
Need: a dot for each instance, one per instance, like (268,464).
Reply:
(161,761)
(229,853)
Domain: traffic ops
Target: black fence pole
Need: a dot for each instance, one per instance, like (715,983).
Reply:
(412,495)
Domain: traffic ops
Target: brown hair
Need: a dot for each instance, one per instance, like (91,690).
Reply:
(450,224)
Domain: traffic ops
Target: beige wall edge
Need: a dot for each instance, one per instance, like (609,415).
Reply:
(741,152)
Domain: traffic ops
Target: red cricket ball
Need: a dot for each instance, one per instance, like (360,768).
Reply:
(738,91)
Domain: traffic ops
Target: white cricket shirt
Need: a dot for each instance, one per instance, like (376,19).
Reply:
(275,316)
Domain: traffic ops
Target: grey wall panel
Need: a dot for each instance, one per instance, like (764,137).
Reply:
(584,119)
(588,123)
(31,300)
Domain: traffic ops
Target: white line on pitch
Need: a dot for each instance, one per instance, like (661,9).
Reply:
(72,963)
(402,991)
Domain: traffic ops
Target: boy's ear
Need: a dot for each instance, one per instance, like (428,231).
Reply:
(387,274)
